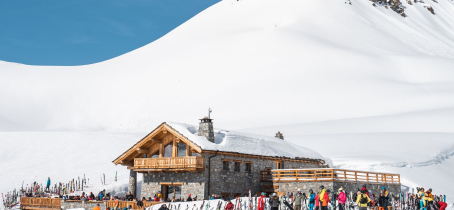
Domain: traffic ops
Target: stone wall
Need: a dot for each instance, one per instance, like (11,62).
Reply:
(376,188)
(284,187)
(82,204)
(222,181)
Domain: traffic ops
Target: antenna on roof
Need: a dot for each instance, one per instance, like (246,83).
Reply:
(209,111)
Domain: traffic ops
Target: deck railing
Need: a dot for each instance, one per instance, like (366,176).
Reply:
(193,162)
(323,174)
(33,203)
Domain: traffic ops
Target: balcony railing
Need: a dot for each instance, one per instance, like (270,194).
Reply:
(193,162)
(323,174)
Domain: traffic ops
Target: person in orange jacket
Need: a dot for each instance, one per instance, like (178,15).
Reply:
(97,207)
(324,198)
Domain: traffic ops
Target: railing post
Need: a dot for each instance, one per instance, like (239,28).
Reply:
(376,178)
(345,175)
(356,176)
(296,175)
(398,178)
(367,175)
(315,175)
(332,174)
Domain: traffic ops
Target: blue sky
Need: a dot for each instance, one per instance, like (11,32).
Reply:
(78,32)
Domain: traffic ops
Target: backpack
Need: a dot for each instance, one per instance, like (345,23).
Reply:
(363,199)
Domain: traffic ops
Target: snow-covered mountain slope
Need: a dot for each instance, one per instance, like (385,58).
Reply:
(266,62)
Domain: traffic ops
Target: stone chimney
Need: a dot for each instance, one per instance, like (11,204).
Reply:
(279,135)
(206,128)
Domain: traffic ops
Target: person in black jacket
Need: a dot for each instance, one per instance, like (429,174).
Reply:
(163,207)
(129,197)
(383,199)
(189,198)
(139,203)
(274,202)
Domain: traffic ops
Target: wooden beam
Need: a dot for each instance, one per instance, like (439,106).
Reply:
(127,163)
(143,151)
(156,141)
(161,150)
(188,151)
(174,148)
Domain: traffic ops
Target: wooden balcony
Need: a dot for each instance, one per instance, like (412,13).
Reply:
(192,163)
(329,175)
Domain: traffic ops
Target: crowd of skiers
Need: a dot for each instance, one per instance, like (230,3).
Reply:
(423,200)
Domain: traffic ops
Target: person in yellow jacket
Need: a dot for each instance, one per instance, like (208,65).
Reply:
(429,197)
(362,200)
(422,201)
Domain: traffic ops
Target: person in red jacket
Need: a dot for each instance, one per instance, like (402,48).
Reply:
(442,205)
(317,206)
(229,205)
(261,202)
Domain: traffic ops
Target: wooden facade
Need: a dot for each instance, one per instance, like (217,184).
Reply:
(150,155)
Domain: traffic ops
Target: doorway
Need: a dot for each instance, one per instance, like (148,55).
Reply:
(170,191)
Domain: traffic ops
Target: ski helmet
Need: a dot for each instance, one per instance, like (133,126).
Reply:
(364,186)
(322,187)
(383,188)
(311,191)
(430,189)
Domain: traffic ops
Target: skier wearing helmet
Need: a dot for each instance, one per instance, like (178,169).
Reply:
(274,202)
(341,198)
(324,198)
(429,197)
(312,198)
(383,200)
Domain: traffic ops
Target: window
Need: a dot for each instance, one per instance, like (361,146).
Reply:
(155,155)
(225,165)
(249,167)
(237,166)
(278,165)
(168,150)
(196,154)
(181,150)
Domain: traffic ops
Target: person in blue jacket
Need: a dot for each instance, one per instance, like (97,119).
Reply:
(48,184)
(311,197)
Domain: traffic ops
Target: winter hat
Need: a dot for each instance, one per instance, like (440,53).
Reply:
(299,190)
(310,191)
(189,195)
(263,193)
(274,195)
(340,189)
(322,187)
(383,188)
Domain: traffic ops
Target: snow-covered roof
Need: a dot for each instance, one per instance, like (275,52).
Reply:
(245,143)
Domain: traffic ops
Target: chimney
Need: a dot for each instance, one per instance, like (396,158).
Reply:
(279,135)
(206,127)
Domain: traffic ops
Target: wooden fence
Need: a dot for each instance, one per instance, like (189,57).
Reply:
(36,203)
(323,174)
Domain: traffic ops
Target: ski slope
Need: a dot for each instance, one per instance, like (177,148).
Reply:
(359,84)
(297,61)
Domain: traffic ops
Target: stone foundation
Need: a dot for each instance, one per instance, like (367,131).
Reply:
(222,182)
(82,204)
